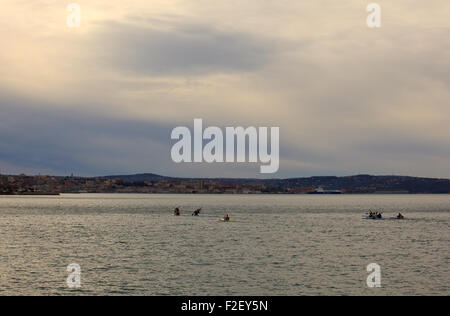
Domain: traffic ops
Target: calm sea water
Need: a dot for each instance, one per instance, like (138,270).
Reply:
(278,245)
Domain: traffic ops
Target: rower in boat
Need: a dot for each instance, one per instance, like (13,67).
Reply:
(375,215)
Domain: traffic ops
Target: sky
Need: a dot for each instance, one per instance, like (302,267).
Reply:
(103,98)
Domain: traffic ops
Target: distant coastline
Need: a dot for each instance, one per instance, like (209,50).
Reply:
(157,184)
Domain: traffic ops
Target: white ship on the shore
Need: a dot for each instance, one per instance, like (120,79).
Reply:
(321,190)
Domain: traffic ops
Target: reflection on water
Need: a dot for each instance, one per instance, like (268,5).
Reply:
(279,245)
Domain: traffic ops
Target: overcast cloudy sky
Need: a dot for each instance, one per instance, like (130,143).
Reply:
(104,98)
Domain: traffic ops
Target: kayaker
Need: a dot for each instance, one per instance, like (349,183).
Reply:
(177,212)
(400,216)
(227,218)
(197,212)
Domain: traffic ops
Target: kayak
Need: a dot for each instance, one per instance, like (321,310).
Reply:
(222,220)
(372,218)
(384,218)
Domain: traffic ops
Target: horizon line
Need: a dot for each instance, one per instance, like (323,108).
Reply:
(224,178)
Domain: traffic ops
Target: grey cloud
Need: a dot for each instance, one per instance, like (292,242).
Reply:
(66,141)
(62,141)
(178,49)
(58,141)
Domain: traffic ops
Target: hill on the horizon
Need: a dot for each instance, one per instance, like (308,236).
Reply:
(139,177)
(357,182)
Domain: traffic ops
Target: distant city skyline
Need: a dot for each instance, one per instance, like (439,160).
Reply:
(102,99)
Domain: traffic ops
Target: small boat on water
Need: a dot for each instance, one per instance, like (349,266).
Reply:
(374,218)
(226,219)
(378,216)
(400,216)
(197,212)
(375,215)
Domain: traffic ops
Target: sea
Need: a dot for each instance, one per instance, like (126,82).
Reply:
(275,245)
